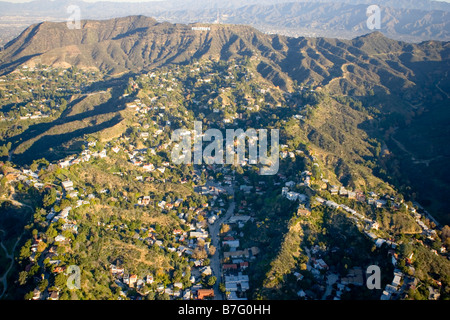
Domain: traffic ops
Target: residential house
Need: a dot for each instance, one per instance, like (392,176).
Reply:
(178,285)
(148,167)
(54,295)
(116,270)
(145,201)
(343,192)
(243,265)
(205,293)
(67,185)
(302,211)
(187,295)
(132,280)
(233,244)
(60,238)
(59,269)
(237,283)
(229,267)
(320,264)
(334,190)
(162,204)
(380,203)
(206,271)
(36,294)
(198,234)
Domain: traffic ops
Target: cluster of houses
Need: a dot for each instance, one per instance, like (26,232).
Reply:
(175,290)
(28,177)
(85,156)
(325,279)
(37,109)
(293,196)
(236,259)
(355,276)
(125,281)
(377,201)
(392,289)
(187,241)
(31,116)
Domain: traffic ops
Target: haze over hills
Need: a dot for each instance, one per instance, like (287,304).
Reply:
(403,20)
(337,20)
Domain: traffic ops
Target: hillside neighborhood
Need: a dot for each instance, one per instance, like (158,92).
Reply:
(141,227)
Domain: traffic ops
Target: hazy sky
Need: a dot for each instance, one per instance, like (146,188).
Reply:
(17,1)
(21,1)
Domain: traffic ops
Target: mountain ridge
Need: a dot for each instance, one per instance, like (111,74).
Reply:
(140,42)
(403,20)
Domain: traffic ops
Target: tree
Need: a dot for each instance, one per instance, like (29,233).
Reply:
(51,232)
(34,166)
(446,236)
(212,281)
(199,253)
(43,284)
(23,277)
(49,198)
(25,251)
(150,296)
(33,270)
(224,228)
(64,296)
(29,295)
(60,280)
(164,296)
(200,243)
(41,246)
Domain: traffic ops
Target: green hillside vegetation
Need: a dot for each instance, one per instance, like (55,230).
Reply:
(98,106)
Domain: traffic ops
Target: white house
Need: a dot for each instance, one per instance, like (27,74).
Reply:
(148,167)
(67,185)
(293,196)
(60,238)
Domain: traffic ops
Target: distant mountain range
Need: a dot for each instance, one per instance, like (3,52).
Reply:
(406,20)
(336,20)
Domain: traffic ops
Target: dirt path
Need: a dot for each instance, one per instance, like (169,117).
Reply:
(4,277)
(442,91)
(413,158)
